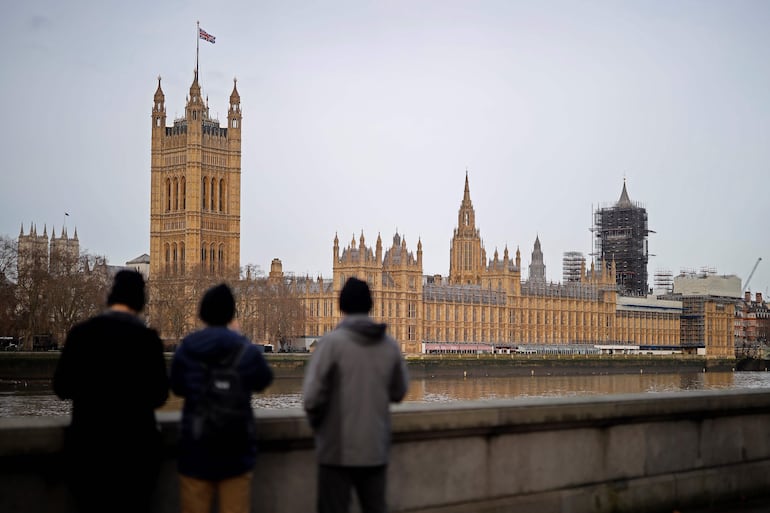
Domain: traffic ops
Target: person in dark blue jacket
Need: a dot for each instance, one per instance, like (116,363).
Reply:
(226,473)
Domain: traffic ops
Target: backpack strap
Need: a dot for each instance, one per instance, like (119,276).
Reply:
(237,355)
(231,359)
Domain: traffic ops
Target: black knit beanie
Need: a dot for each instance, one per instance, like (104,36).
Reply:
(355,297)
(217,306)
(127,289)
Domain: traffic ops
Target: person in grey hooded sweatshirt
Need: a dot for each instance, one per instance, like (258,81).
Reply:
(356,371)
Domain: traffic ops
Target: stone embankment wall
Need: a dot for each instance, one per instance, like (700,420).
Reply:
(41,366)
(613,453)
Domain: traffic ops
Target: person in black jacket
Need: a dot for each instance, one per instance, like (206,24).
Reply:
(224,470)
(113,369)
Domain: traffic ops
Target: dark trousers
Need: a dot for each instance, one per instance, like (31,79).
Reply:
(116,475)
(334,484)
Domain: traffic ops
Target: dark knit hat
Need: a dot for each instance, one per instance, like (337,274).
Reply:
(127,289)
(217,306)
(355,297)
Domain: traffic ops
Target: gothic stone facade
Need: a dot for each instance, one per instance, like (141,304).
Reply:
(196,189)
(481,300)
(35,252)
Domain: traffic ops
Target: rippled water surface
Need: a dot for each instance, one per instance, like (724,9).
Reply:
(20,399)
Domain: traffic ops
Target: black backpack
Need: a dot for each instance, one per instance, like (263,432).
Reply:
(222,418)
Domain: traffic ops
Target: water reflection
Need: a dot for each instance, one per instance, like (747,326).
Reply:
(20,400)
(480,388)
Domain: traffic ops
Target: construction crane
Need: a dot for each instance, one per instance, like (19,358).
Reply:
(746,283)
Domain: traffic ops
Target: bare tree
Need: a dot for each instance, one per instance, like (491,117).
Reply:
(77,289)
(249,298)
(8,252)
(169,309)
(32,287)
(53,291)
(173,303)
(270,311)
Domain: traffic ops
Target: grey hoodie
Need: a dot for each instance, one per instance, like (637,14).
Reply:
(354,374)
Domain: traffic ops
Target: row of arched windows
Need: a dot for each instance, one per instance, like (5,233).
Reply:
(213,194)
(212,257)
(174,258)
(176,194)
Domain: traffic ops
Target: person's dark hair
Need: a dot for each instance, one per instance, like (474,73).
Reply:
(355,297)
(127,289)
(217,306)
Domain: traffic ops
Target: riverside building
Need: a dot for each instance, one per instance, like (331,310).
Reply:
(621,236)
(195,208)
(38,252)
(483,305)
(196,189)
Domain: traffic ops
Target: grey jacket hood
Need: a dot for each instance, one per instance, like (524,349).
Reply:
(365,330)
(354,374)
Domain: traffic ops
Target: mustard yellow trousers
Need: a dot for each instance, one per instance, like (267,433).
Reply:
(233,494)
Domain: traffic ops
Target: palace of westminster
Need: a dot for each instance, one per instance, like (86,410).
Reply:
(483,305)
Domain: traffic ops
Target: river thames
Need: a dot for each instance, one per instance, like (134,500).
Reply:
(20,399)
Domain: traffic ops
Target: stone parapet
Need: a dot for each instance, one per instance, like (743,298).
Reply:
(612,453)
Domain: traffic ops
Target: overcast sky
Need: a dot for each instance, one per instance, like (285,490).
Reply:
(365,116)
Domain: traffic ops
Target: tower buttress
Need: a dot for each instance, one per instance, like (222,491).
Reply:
(158,112)
(419,252)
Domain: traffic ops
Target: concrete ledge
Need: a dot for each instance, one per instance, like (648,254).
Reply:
(641,452)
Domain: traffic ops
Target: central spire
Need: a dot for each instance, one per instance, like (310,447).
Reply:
(467,193)
(466,218)
(467,255)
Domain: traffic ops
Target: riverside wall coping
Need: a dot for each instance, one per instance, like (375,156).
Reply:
(595,454)
(23,435)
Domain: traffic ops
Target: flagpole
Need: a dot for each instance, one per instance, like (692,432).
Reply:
(197,45)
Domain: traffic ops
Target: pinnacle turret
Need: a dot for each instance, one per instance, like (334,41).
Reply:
(234,96)
(624,200)
(159,96)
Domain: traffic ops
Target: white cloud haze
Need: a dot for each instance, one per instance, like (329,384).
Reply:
(365,115)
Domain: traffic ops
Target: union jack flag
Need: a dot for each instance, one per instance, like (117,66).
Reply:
(206,36)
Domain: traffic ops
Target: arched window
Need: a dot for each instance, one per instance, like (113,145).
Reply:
(222,195)
(203,255)
(184,193)
(212,195)
(176,194)
(203,192)
(168,194)
(175,259)
(181,252)
(221,257)
(168,257)
(212,258)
